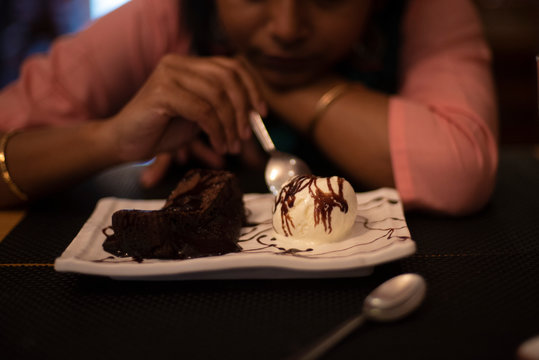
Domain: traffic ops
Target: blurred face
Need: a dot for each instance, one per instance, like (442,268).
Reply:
(291,42)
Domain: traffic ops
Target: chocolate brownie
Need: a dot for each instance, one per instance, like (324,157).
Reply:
(202,216)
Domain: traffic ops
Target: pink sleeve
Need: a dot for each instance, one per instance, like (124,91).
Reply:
(443,122)
(93,73)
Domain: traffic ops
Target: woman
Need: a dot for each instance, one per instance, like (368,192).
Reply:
(134,85)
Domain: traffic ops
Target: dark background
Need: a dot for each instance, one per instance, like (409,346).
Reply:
(511,27)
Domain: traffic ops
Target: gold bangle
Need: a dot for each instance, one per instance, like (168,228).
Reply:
(3,168)
(322,105)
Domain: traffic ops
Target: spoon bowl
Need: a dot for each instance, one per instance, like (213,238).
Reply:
(281,166)
(392,300)
(395,298)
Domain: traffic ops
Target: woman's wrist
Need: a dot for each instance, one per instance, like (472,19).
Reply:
(304,106)
(41,160)
(103,135)
(6,175)
(322,105)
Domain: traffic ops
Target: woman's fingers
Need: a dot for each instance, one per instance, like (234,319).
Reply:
(180,102)
(237,65)
(226,83)
(256,101)
(208,87)
(200,152)
(207,155)
(156,170)
(178,133)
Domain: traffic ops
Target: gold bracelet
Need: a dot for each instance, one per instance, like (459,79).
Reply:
(3,167)
(322,105)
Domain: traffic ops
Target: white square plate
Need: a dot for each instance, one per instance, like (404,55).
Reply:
(380,235)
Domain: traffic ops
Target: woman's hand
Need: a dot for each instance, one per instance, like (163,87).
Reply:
(251,156)
(182,95)
(196,149)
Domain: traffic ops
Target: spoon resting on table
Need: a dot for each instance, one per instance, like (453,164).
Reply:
(392,300)
(281,166)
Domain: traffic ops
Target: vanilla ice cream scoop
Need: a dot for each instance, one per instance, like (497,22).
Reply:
(315,209)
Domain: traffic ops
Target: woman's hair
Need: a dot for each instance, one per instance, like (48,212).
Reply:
(200,19)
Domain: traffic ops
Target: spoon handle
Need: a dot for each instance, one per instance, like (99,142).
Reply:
(261,132)
(318,349)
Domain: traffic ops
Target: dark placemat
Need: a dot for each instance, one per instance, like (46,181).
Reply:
(481,272)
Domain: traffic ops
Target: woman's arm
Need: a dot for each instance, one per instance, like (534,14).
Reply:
(93,73)
(44,160)
(353,131)
(175,102)
(91,76)
(443,124)
(436,140)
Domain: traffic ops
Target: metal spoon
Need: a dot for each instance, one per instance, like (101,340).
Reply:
(281,166)
(394,299)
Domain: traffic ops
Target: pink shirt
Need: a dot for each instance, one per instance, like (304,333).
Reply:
(442,124)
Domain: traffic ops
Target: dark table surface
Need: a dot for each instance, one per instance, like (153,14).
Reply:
(482,301)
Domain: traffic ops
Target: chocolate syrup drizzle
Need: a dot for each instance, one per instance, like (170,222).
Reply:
(324,202)
(260,235)
(377,201)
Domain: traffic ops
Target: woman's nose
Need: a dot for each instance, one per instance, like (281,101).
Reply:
(287,24)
